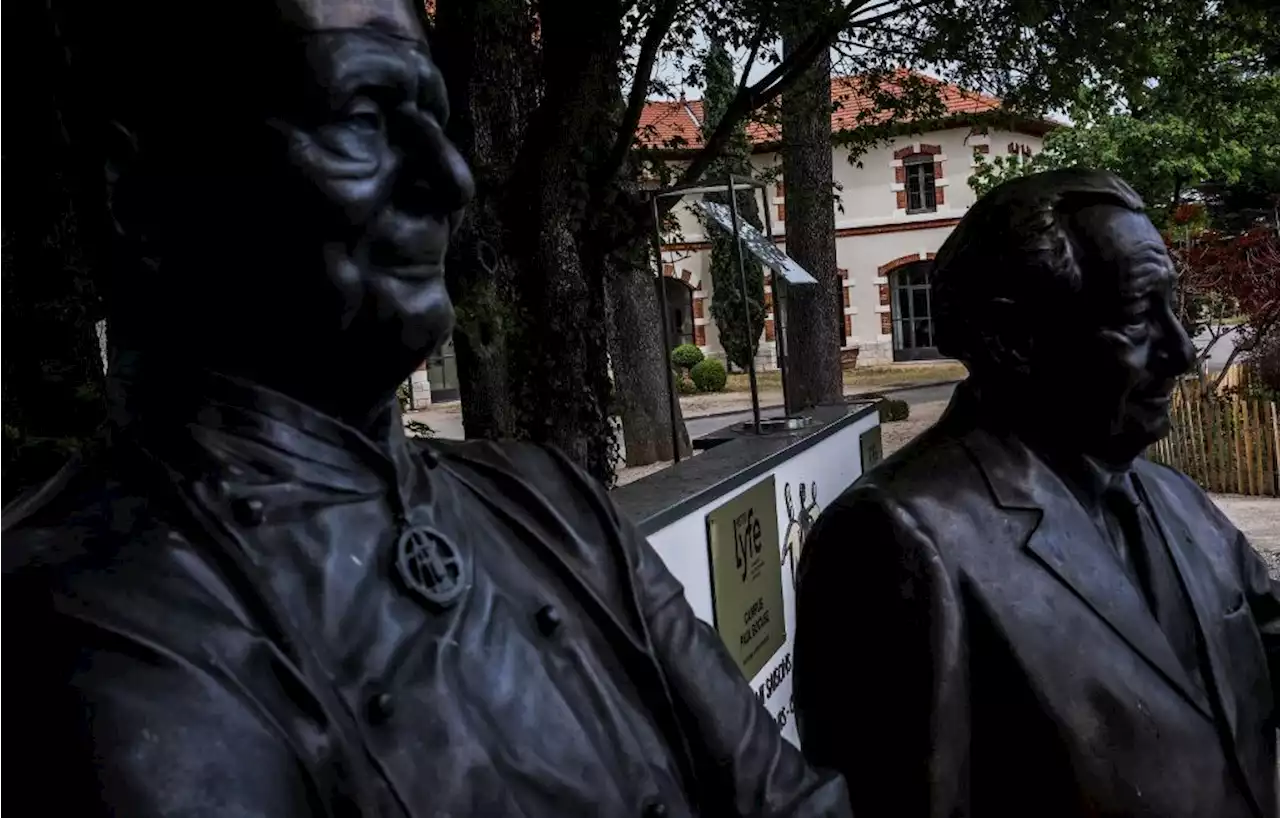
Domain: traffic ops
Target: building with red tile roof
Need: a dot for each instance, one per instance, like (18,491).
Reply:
(895,205)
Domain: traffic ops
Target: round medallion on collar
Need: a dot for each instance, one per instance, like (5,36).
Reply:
(431,566)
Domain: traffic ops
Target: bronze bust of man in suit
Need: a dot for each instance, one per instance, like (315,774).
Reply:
(1018,614)
(258,598)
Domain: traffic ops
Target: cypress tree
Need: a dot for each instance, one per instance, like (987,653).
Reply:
(726,297)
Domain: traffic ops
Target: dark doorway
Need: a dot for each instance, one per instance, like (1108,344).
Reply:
(913,313)
(442,374)
(679,311)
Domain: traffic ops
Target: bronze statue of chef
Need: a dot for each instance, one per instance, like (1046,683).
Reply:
(258,598)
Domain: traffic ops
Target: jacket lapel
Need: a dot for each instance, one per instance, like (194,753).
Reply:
(1196,572)
(1069,544)
(1192,569)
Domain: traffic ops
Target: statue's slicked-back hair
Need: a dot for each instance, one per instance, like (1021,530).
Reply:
(1012,259)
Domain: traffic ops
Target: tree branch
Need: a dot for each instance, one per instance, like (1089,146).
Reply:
(877,6)
(756,40)
(663,16)
(783,76)
(867,22)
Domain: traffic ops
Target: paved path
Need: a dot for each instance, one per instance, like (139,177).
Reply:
(1259,519)
(446,419)
(914,396)
(1221,349)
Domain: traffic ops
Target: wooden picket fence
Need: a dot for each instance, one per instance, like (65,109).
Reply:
(1228,440)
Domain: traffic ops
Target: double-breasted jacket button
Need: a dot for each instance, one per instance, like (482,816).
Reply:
(655,809)
(380,708)
(548,619)
(247,511)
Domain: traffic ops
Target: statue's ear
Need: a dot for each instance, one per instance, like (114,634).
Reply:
(1007,337)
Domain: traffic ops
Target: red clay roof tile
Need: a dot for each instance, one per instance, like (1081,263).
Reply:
(665,124)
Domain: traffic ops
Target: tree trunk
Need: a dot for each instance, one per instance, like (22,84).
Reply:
(480,286)
(487,52)
(641,373)
(815,313)
(558,350)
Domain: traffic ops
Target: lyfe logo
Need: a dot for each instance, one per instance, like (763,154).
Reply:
(747,540)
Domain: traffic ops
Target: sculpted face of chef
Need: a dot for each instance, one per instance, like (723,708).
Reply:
(321,198)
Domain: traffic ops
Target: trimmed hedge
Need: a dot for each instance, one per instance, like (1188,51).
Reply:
(686,357)
(709,376)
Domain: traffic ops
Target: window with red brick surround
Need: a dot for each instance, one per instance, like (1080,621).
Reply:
(919,173)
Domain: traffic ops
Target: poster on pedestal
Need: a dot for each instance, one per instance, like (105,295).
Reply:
(746,576)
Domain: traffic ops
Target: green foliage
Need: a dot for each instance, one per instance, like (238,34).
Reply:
(988,173)
(1210,134)
(1265,362)
(684,384)
(709,376)
(892,409)
(686,356)
(404,396)
(727,307)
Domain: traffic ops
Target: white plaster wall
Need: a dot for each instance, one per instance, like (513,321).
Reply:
(876,230)
(420,386)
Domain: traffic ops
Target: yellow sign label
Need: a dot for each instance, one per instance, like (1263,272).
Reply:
(872,448)
(746,576)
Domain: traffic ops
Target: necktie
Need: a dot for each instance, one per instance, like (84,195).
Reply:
(1144,552)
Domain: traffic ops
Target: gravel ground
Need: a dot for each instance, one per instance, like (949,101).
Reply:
(899,433)
(1259,519)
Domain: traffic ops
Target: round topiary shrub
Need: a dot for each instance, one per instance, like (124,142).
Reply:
(686,357)
(684,385)
(709,376)
(892,410)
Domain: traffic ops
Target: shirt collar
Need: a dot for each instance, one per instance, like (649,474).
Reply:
(248,434)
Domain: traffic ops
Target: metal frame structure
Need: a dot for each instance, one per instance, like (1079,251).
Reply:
(732,185)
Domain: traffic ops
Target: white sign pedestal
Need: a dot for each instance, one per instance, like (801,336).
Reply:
(808,470)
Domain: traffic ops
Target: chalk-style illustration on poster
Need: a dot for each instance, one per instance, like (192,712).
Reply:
(799,523)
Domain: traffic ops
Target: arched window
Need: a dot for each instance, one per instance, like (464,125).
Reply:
(912,313)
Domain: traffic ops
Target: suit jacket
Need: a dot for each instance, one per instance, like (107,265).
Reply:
(207,622)
(968,645)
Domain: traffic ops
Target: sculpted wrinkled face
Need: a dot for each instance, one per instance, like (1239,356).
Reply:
(306,237)
(1123,348)
(386,187)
